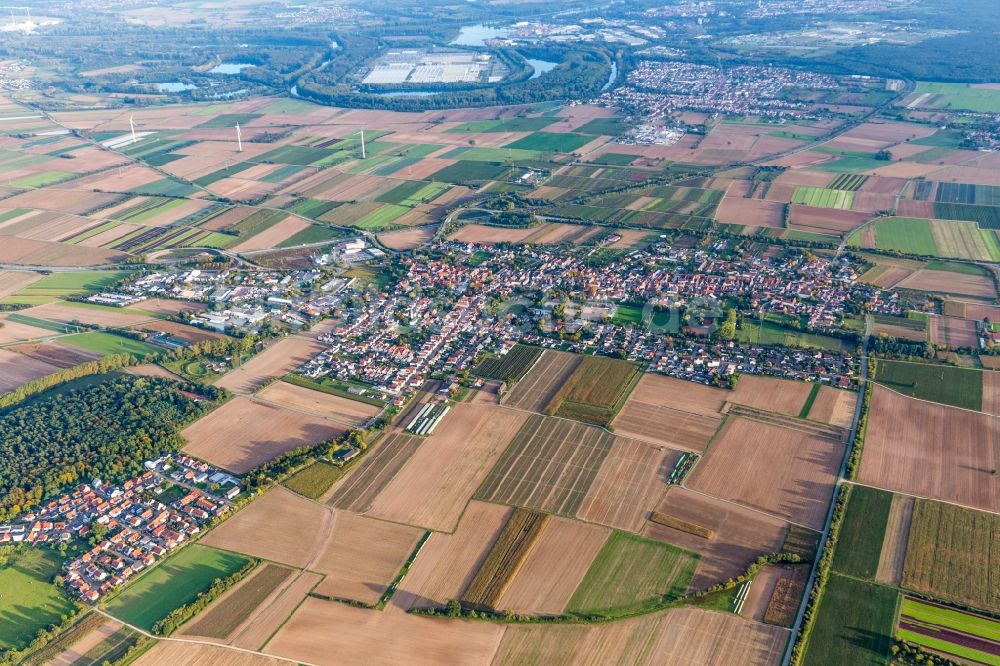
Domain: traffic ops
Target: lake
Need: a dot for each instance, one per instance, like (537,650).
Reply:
(230,68)
(476,35)
(175,86)
(541,66)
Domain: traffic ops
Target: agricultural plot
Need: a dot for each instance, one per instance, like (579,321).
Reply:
(596,390)
(505,558)
(822,197)
(274,612)
(378,468)
(276,361)
(952,555)
(905,234)
(969,96)
(171,653)
(930,450)
(244,433)
(175,582)
(986,217)
(954,633)
(648,414)
(315,480)
(29,601)
(727,537)
(631,570)
(550,465)
(342,410)
(854,623)
(515,124)
(944,384)
(225,615)
(109,343)
(859,547)
(786,472)
(547,376)
(434,486)
(16,370)
(553,142)
(554,567)
(509,367)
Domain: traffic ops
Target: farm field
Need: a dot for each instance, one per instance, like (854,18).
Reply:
(944,384)
(169,653)
(108,343)
(738,534)
(791,474)
(781,396)
(821,197)
(550,465)
(537,388)
(342,410)
(276,361)
(631,570)
(226,614)
(648,414)
(432,489)
(280,526)
(373,474)
(833,406)
(554,567)
(983,99)
(315,480)
(244,432)
(504,559)
(947,630)
(173,583)
(855,623)
(859,548)
(929,450)
(595,391)
(28,599)
(948,551)
(16,369)
(511,366)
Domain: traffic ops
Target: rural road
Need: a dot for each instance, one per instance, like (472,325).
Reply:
(841,480)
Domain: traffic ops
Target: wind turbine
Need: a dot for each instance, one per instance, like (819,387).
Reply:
(239,137)
(132,126)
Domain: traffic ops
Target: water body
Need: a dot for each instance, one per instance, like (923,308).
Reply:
(541,66)
(407,93)
(230,68)
(611,77)
(175,87)
(476,35)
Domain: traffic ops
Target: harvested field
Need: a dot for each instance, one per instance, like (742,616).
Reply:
(991,392)
(12,331)
(64,312)
(377,469)
(448,562)
(630,482)
(55,354)
(554,568)
(28,252)
(897,535)
(89,639)
(244,433)
(538,387)
(153,370)
(953,332)
(279,526)
(16,369)
(188,334)
(169,306)
(276,361)
(930,450)
(226,614)
(952,555)
(762,590)
(660,391)
(408,239)
(432,489)
(834,406)
(273,613)
(781,396)
(273,235)
(550,465)
(342,410)
(786,472)
(550,232)
(171,653)
(786,596)
(738,535)
(400,638)
(363,556)
(751,212)
(947,282)
(825,220)
(648,415)
(677,637)
(14,281)
(505,558)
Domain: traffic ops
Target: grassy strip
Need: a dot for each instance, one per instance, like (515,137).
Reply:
(809,401)
(394,585)
(305,382)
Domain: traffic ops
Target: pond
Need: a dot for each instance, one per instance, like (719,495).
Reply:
(175,87)
(541,66)
(476,35)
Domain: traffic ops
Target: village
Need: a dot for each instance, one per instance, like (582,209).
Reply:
(129,527)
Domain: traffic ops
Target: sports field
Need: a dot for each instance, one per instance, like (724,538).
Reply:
(175,582)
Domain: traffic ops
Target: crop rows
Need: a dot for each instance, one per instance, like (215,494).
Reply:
(987,217)
(954,632)
(359,490)
(595,391)
(505,559)
(511,366)
(822,197)
(849,182)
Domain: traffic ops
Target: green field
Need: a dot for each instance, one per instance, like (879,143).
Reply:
(226,120)
(167,187)
(109,343)
(905,234)
(627,314)
(29,601)
(860,545)
(177,581)
(960,96)
(54,326)
(933,618)
(44,179)
(823,197)
(631,570)
(503,125)
(948,385)
(413,192)
(604,127)
(769,333)
(511,366)
(505,154)
(552,142)
(854,624)
(850,164)
(314,480)
(381,218)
